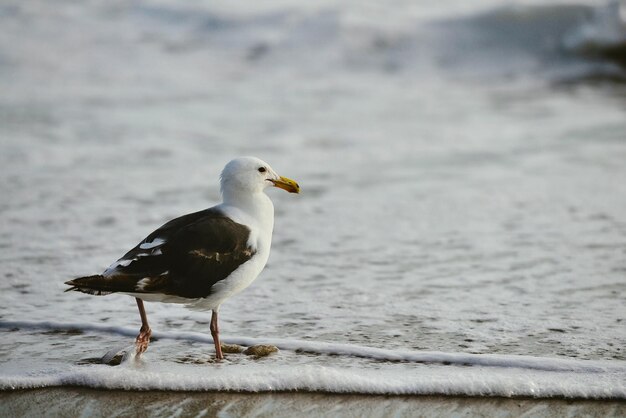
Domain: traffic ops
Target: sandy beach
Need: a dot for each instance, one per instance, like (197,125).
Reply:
(98,403)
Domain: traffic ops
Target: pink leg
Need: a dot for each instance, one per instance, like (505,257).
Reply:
(143,339)
(215,333)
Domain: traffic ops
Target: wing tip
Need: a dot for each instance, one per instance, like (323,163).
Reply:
(82,285)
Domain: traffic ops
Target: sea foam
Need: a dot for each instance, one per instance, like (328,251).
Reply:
(425,372)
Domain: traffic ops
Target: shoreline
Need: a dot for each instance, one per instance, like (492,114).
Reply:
(79,401)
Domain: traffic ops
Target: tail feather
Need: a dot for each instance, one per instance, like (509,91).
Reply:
(99,285)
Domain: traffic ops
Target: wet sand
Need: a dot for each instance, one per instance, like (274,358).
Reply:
(98,403)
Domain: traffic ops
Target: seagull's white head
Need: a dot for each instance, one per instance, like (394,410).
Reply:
(252,175)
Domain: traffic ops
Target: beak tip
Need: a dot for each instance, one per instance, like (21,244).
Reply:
(287,184)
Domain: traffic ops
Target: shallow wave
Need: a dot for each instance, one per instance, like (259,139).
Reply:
(338,349)
(560,42)
(603,34)
(436,372)
(563,41)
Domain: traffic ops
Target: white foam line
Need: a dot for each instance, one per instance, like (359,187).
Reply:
(486,360)
(315,378)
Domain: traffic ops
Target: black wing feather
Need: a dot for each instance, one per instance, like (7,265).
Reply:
(199,250)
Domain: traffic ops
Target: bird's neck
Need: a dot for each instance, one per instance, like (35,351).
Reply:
(256,205)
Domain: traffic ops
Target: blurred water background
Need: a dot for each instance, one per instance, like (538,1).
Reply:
(462,168)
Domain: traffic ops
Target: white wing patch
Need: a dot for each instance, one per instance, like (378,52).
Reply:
(122,262)
(141,284)
(151,248)
(149,245)
(147,281)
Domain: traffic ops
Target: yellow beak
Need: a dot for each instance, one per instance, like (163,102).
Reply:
(287,184)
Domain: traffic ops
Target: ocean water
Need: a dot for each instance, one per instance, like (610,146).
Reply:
(461,228)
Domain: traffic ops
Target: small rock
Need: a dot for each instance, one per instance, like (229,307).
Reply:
(261,350)
(231,348)
(115,360)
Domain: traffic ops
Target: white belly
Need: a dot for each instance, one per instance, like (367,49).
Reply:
(237,281)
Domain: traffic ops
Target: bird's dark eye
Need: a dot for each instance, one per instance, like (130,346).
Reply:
(262,169)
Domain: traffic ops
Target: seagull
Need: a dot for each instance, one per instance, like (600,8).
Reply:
(202,258)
